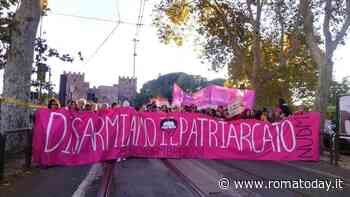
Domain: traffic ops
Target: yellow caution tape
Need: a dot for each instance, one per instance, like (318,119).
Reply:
(19,103)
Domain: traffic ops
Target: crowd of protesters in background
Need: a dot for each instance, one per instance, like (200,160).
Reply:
(281,110)
(82,105)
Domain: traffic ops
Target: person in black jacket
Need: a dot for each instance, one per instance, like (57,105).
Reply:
(283,105)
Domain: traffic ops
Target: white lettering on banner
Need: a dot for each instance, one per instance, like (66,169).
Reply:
(123,144)
(269,139)
(85,134)
(253,139)
(49,130)
(202,120)
(133,129)
(140,126)
(171,142)
(98,133)
(292,133)
(182,130)
(113,123)
(222,123)
(75,131)
(152,144)
(136,134)
(212,133)
(91,127)
(194,131)
(276,125)
(163,139)
(233,131)
(66,150)
(241,136)
(145,133)
(245,137)
(163,134)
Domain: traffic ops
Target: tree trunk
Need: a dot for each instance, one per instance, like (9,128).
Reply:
(319,57)
(255,21)
(323,59)
(18,70)
(325,77)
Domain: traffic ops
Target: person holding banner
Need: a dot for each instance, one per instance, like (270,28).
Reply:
(81,104)
(72,106)
(96,169)
(283,105)
(53,104)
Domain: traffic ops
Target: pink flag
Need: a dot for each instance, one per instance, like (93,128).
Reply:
(213,96)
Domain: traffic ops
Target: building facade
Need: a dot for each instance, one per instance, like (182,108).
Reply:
(74,87)
(107,94)
(127,88)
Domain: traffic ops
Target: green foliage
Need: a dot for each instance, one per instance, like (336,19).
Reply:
(42,51)
(227,34)
(6,18)
(338,89)
(163,86)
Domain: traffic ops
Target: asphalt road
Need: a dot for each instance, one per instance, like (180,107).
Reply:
(144,177)
(133,177)
(284,171)
(183,178)
(51,182)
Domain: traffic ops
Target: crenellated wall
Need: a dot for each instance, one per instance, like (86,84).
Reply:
(74,87)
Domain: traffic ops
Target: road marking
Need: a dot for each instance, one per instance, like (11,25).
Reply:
(94,172)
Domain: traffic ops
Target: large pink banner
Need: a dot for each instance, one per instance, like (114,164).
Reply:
(213,96)
(65,138)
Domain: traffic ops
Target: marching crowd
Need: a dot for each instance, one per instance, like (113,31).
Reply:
(82,105)
(281,110)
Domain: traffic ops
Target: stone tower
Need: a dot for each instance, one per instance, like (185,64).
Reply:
(72,87)
(127,88)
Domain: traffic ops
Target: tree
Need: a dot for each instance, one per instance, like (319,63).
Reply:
(43,52)
(334,29)
(18,46)
(163,85)
(18,67)
(6,18)
(269,55)
(239,22)
(337,89)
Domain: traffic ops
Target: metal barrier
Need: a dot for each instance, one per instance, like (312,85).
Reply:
(335,151)
(27,150)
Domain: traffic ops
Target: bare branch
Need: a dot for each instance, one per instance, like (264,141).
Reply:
(305,11)
(342,33)
(251,17)
(326,30)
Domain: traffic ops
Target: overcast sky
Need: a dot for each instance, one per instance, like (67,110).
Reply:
(115,58)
